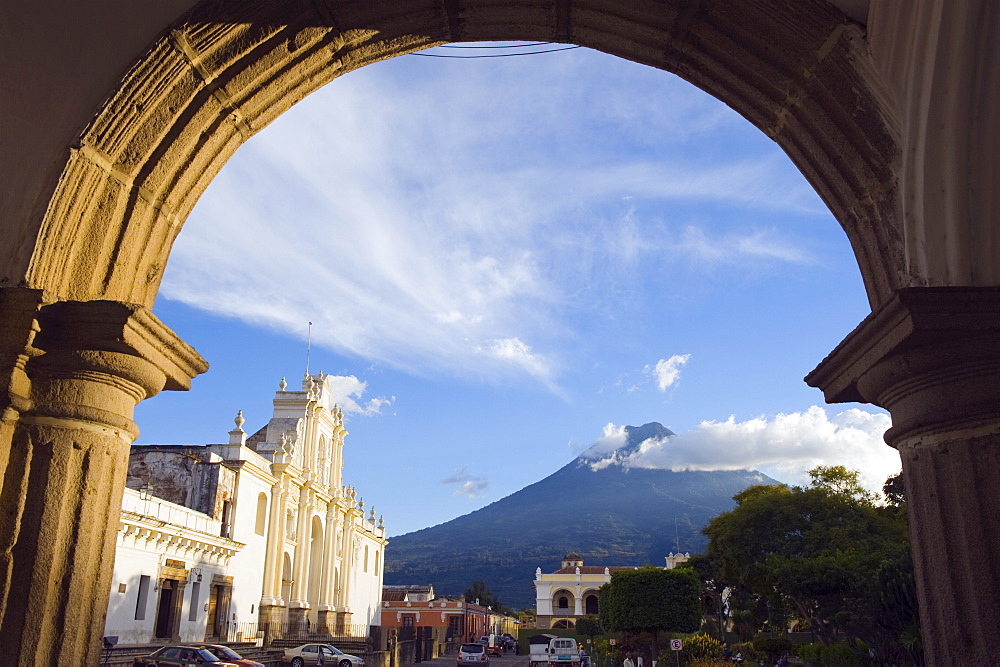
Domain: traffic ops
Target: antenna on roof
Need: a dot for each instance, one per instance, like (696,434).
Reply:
(308,347)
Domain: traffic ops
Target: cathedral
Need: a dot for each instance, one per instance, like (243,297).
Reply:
(220,542)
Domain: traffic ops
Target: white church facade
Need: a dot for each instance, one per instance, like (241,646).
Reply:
(218,542)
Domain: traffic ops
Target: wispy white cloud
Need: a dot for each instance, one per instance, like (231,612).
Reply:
(420,239)
(785,446)
(347,391)
(667,371)
(467,485)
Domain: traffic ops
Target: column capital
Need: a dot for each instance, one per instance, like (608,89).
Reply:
(930,356)
(118,328)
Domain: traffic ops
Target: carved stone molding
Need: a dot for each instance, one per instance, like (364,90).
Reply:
(930,356)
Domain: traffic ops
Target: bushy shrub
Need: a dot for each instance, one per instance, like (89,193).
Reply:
(773,647)
(699,647)
(747,652)
(829,655)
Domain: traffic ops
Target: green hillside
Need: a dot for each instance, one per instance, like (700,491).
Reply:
(612,516)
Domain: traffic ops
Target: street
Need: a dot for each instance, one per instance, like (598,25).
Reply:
(508,660)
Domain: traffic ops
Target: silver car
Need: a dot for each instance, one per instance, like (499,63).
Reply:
(473,654)
(320,654)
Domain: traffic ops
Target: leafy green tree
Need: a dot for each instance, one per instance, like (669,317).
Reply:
(815,550)
(715,595)
(651,600)
(590,626)
(842,481)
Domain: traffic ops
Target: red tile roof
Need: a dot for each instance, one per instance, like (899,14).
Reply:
(592,569)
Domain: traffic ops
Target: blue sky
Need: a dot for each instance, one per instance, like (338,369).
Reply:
(508,260)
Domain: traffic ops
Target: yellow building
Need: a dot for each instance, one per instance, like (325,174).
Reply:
(571,592)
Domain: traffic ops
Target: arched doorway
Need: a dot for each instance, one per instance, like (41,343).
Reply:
(79,325)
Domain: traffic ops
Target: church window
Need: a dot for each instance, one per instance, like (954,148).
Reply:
(140,602)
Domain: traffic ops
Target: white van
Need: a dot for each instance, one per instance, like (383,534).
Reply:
(563,651)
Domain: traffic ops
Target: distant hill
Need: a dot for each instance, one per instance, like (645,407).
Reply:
(597,506)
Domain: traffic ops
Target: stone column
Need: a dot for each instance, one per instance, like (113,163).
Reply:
(326,599)
(271,613)
(72,373)
(271,596)
(298,606)
(931,357)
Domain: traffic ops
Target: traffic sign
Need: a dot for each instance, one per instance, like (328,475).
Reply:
(675,645)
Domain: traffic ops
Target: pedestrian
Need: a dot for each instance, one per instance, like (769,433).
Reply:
(628,660)
(783,662)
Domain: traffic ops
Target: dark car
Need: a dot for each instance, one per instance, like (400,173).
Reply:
(180,655)
(227,654)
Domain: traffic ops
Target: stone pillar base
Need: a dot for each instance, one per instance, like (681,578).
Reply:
(298,621)
(271,619)
(343,622)
(327,620)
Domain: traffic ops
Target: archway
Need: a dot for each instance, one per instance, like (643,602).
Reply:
(563,603)
(90,265)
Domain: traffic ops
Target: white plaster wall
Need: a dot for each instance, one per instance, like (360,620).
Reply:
(247,567)
(366,587)
(121,621)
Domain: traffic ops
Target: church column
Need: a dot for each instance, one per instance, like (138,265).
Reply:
(271,604)
(299,605)
(326,600)
(72,373)
(347,567)
(931,357)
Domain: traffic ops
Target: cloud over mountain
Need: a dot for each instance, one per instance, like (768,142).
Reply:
(785,446)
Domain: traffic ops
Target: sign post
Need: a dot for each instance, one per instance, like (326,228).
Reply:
(676,645)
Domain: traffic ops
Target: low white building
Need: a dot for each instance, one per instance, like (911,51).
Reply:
(216,541)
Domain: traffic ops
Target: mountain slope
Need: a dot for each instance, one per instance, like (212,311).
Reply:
(613,515)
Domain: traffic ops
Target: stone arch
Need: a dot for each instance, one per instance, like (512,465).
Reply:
(563,624)
(563,602)
(591,606)
(260,522)
(887,126)
(222,72)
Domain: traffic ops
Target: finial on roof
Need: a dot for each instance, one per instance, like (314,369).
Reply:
(361,504)
(239,421)
(371,514)
(381,521)
(282,385)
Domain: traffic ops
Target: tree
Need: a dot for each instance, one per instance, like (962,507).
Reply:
(480,593)
(816,550)
(590,626)
(651,600)
(841,480)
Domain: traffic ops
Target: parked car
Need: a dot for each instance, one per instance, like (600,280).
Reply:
(228,654)
(180,655)
(473,654)
(320,654)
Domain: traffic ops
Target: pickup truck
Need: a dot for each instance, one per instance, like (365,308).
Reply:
(552,651)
